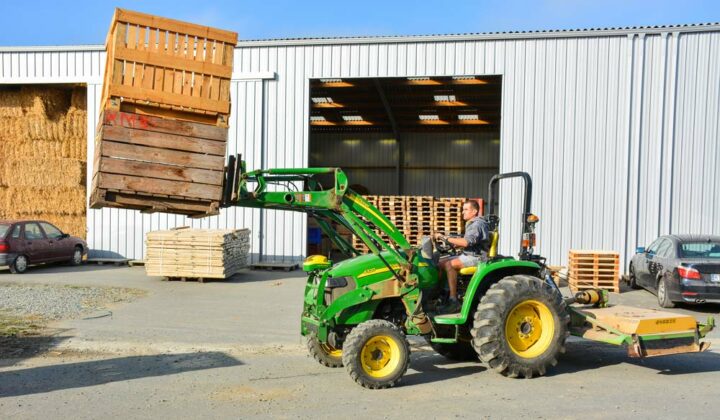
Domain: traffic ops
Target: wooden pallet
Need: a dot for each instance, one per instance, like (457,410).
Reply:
(588,269)
(154,164)
(168,68)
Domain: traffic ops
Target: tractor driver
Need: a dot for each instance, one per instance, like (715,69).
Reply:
(476,244)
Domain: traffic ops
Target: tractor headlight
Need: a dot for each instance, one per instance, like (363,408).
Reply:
(335,282)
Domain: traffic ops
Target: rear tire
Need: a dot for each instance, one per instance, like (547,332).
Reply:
(20,265)
(324,353)
(662,294)
(520,326)
(376,354)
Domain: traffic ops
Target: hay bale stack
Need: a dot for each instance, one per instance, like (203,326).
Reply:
(43,145)
(197,253)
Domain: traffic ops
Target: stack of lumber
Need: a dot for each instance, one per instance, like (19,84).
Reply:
(417,216)
(197,253)
(161,140)
(43,147)
(589,269)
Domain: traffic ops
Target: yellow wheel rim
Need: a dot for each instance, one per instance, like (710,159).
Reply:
(330,350)
(380,356)
(529,328)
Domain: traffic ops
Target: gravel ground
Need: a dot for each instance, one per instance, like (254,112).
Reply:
(52,302)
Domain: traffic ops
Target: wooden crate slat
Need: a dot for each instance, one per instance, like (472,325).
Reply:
(150,123)
(146,203)
(184,100)
(162,60)
(159,186)
(156,170)
(159,155)
(172,25)
(163,140)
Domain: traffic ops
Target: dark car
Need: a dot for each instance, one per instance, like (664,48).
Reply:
(25,242)
(679,268)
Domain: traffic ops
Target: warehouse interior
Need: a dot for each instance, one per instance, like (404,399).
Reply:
(408,136)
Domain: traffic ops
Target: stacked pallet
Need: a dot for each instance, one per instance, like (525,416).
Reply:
(590,269)
(197,253)
(418,216)
(447,215)
(161,140)
(419,219)
(43,143)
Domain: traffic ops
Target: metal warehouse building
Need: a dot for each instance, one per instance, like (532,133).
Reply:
(619,128)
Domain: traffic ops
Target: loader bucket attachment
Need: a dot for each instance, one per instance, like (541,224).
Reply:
(644,332)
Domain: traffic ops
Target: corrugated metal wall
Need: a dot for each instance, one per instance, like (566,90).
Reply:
(619,131)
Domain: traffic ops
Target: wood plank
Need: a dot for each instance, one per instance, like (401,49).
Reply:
(172,113)
(162,60)
(157,170)
(163,140)
(158,186)
(137,92)
(183,128)
(164,156)
(123,15)
(103,198)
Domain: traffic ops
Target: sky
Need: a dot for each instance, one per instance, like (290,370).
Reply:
(28,22)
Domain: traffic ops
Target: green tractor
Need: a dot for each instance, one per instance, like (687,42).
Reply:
(358,312)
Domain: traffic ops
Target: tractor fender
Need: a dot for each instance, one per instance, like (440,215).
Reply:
(486,275)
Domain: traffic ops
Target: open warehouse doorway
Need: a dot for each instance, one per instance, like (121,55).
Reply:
(417,138)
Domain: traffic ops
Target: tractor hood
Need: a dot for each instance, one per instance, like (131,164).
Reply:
(363,265)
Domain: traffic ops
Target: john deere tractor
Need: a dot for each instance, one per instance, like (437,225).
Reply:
(358,312)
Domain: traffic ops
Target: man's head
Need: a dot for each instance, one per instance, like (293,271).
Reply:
(471,209)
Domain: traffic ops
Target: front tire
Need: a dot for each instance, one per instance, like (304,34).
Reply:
(520,326)
(324,353)
(632,279)
(376,354)
(20,265)
(77,256)
(663,296)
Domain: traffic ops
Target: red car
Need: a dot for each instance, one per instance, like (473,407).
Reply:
(25,242)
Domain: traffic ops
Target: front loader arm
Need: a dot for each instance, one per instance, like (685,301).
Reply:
(337,203)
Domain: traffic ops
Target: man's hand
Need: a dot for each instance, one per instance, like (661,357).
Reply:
(439,237)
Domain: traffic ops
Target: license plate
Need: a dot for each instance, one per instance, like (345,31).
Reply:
(715,278)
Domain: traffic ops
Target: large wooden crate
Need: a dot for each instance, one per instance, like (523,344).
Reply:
(589,269)
(155,164)
(161,139)
(166,67)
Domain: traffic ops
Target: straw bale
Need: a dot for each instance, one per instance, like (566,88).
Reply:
(78,99)
(42,172)
(29,200)
(30,148)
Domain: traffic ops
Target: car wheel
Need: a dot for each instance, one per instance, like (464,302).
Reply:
(662,294)
(632,279)
(20,265)
(77,256)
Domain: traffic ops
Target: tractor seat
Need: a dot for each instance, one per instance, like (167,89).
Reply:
(469,271)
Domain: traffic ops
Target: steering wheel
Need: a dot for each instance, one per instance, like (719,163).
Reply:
(444,246)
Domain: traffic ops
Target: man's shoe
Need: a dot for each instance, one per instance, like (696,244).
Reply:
(452,307)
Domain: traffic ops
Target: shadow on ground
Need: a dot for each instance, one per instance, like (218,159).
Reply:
(43,379)
(14,349)
(585,356)
(432,367)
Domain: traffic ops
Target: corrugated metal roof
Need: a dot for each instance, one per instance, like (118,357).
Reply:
(478,36)
(552,33)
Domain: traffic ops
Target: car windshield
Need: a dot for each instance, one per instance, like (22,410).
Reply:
(3,229)
(700,250)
